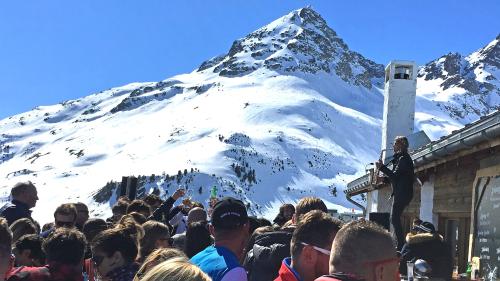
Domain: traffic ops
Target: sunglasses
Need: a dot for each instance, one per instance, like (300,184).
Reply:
(97,260)
(321,250)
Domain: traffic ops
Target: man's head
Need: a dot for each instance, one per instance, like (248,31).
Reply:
(29,251)
(153,200)
(113,248)
(65,246)
(21,227)
(65,216)
(92,227)
(287,211)
(311,244)
(400,144)
(197,215)
(230,223)
(119,209)
(5,247)
(140,207)
(306,205)
(82,214)
(364,249)
(25,192)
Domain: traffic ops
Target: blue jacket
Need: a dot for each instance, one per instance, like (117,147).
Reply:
(220,264)
(15,210)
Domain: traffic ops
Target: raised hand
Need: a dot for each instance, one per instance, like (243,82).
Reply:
(179,193)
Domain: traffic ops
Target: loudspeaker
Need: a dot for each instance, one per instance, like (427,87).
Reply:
(382,219)
(132,188)
(123,186)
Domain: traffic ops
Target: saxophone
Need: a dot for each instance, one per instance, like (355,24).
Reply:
(376,179)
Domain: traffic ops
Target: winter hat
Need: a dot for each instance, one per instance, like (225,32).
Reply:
(229,213)
(426,227)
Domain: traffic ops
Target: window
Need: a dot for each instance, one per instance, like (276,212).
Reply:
(402,72)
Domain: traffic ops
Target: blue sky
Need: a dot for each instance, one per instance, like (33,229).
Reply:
(52,51)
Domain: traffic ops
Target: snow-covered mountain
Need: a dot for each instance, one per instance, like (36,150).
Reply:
(289,111)
(466,87)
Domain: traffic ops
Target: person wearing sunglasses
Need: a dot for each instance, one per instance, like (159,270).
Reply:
(310,247)
(363,250)
(64,216)
(425,243)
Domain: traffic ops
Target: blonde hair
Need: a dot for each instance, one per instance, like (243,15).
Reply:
(176,269)
(156,257)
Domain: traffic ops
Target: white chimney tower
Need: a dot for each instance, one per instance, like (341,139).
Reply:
(398,119)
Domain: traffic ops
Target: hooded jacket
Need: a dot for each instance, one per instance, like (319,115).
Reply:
(431,248)
(263,261)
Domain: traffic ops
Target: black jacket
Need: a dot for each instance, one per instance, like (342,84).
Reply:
(431,248)
(263,261)
(401,176)
(15,210)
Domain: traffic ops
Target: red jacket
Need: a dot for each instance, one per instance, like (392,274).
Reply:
(52,272)
(286,273)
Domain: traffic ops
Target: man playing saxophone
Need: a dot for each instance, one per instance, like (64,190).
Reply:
(401,177)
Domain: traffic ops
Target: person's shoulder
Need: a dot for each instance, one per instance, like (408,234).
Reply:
(7,207)
(29,273)
(208,252)
(235,274)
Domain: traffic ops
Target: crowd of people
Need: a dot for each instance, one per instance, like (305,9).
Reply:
(150,239)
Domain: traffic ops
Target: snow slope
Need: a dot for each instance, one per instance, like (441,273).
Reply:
(288,112)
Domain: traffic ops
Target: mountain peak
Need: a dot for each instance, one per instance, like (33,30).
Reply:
(489,54)
(300,41)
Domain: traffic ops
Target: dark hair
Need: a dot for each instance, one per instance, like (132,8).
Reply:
(92,227)
(152,199)
(65,245)
(115,240)
(253,224)
(280,218)
(286,206)
(22,227)
(21,187)
(80,204)
(308,204)
(264,222)
(120,207)
(138,217)
(67,210)
(315,228)
(153,230)
(197,238)
(139,206)
(31,242)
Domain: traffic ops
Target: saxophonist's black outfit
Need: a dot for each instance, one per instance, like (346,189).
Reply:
(401,178)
